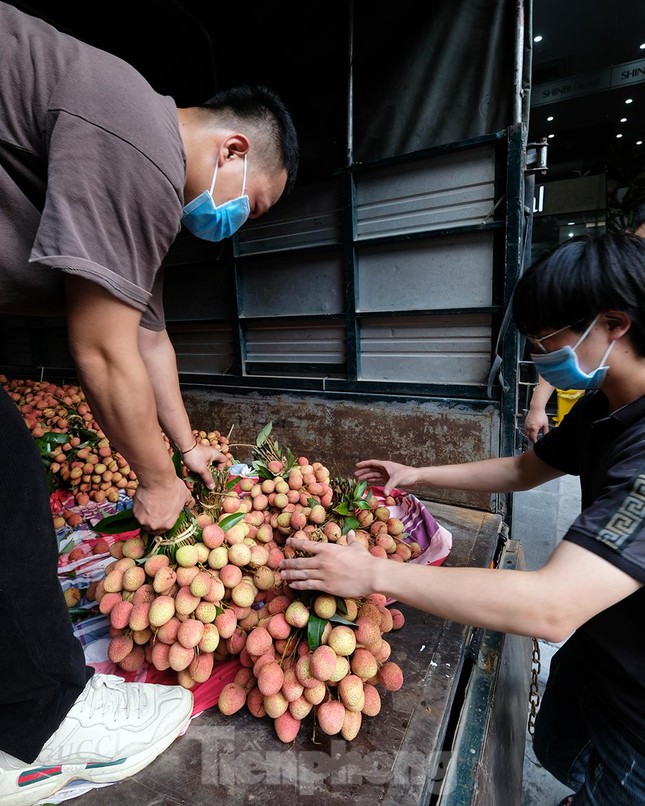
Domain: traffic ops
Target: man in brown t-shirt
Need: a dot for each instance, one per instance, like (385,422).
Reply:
(97,174)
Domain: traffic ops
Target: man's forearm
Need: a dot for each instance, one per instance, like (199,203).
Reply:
(123,403)
(501,475)
(161,362)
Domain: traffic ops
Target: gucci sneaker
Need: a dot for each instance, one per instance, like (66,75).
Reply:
(113,730)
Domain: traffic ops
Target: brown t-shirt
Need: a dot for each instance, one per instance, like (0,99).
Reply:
(92,172)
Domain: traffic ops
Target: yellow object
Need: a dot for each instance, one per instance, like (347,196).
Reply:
(566,399)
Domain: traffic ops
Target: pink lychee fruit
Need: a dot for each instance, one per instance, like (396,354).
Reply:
(275,704)
(372,704)
(323,663)
(139,616)
(351,724)
(154,563)
(201,667)
(134,660)
(160,653)
(398,619)
(232,697)
(119,648)
(185,602)
(342,640)
(292,688)
(390,676)
(330,716)
(363,663)
(180,656)
(120,614)
(286,727)
(190,633)
(300,708)
(255,703)
(210,639)
(270,679)
(350,690)
(259,641)
(316,694)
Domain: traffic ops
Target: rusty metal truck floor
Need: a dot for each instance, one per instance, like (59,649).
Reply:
(397,757)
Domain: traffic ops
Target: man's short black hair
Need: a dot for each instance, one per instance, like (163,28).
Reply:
(263,108)
(581,278)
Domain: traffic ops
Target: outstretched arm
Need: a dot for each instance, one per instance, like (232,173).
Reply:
(550,603)
(103,335)
(502,475)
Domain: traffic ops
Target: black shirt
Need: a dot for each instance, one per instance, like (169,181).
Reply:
(607,451)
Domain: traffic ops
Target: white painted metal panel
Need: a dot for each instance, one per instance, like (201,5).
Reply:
(296,342)
(448,191)
(433,349)
(452,272)
(204,350)
(291,286)
(310,216)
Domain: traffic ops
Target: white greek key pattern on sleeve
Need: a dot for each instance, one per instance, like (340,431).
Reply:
(621,526)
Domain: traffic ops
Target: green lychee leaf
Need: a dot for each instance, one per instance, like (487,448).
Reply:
(176,460)
(261,469)
(341,605)
(312,502)
(264,433)
(123,521)
(350,523)
(315,629)
(342,509)
(362,504)
(230,520)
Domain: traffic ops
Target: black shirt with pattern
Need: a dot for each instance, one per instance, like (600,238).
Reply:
(607,451)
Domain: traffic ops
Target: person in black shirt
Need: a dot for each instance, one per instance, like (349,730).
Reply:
(582,309)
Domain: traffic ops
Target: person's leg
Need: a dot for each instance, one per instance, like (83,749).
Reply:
(562,742)
(615,772)
(42,667)
(579,742)
(58,720)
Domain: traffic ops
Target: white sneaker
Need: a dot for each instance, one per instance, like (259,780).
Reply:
(113,730)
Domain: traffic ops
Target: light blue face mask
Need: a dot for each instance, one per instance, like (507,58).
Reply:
(205,220)
(562,370)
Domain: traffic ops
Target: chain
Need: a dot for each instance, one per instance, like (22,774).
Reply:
(534,691)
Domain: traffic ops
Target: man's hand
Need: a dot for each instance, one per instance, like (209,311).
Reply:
(536,424)
(199,460)
(157,508)
(339,570)
(389,474)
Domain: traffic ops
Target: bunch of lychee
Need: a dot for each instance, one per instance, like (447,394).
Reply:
(336,682)
(220,595)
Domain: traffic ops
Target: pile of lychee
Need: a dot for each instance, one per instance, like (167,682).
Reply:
(77,454)
(218,594)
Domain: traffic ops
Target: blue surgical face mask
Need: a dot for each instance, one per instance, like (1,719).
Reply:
(562,370)
(205,220)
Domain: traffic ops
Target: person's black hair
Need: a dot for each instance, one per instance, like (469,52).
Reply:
(637,220)
(263,107)
(580,279)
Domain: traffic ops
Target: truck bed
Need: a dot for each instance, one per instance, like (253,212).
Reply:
(398,758)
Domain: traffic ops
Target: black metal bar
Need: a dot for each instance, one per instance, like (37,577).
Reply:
(514,252)
(350,274)
(364,389)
